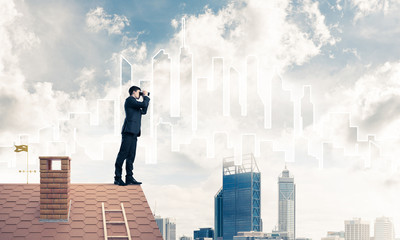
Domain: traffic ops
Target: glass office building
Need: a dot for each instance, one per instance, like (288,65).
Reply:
(218,214)
(237,203)
(203,233)
(287,204)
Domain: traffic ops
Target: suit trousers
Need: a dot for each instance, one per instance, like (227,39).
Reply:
(127,151)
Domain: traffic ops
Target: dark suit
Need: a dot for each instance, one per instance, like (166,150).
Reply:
(130,131)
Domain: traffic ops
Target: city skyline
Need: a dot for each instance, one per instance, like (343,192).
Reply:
(253,103)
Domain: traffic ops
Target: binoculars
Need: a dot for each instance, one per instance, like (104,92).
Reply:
(141,94)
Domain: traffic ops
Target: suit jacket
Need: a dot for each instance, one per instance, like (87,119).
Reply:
(133,114)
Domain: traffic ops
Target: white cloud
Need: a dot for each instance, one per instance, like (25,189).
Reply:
(26,110)
(321,31)
(364,8)
(174,23)
(134,51)
(97,20)
(254,27)
(338,6)
(14,38)
(352,51)
(375,97)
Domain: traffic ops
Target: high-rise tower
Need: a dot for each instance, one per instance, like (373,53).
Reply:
(237,203)
(356,229)
(383,229)
(287,204)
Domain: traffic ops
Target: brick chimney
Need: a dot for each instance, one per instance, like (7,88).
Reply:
(55,173)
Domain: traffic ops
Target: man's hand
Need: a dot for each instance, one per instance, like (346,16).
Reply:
(145,93)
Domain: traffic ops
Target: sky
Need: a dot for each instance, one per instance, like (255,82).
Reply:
(58,57)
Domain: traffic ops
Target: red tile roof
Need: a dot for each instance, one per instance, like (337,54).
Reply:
(20,212)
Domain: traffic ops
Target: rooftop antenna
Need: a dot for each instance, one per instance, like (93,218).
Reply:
(155,207)
(183,32)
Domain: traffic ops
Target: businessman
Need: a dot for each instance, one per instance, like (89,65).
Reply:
(130,131)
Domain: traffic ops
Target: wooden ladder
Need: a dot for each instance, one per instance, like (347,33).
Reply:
(115,222)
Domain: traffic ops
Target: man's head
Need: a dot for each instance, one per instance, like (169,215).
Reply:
(134,91)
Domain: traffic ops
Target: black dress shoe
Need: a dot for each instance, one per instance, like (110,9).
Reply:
(132,181)
(119,182)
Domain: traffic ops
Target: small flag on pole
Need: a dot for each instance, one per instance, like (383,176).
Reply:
(20,148)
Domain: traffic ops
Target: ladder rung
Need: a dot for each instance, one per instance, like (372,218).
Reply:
(117,236)
(116,222)
(113,210)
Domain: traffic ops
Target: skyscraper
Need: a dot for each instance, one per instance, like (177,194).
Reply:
(218,215)
(203,234)
(185,77)
(161,86)
(167,228)
(356,229)
(383,229)
(237,203)
(287,204)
